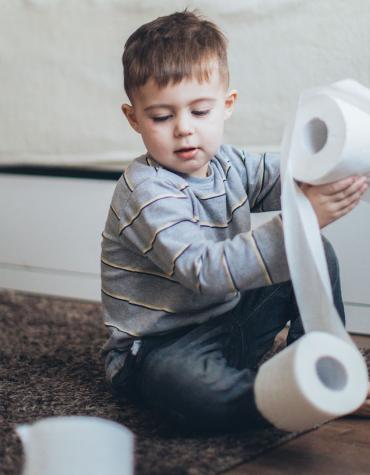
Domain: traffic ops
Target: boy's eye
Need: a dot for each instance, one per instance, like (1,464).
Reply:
(161,118)
(203,112)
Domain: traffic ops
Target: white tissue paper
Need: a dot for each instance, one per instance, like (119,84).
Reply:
(76,445)
(319,377)
(328,139)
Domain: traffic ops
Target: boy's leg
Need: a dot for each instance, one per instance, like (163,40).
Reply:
(191,380)
(263,312)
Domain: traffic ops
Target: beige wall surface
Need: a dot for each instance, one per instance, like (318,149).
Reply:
(61,78)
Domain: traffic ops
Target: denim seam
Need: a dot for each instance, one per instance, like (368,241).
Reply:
(260,304)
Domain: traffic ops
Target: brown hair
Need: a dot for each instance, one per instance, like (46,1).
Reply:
(172,48)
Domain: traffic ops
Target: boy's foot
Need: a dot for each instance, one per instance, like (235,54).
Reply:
(364,410)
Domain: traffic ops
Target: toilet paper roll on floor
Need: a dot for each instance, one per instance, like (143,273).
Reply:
(328,139)
(317,378)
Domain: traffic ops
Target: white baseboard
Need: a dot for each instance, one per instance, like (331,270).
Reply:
(77,285)
(358,318)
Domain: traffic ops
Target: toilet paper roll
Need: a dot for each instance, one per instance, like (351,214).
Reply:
(323,375)
(75,445)
(333,140)
(318,378)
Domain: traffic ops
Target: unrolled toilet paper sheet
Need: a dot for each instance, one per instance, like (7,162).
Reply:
(331,118)
(328,139)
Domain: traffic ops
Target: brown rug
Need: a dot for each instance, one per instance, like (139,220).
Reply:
(50,365)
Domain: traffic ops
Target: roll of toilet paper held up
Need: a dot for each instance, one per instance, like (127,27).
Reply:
(316,379)
(75,445)
(333,140)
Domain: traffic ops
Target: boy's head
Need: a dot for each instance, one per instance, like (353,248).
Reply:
(176,76)
(172,48)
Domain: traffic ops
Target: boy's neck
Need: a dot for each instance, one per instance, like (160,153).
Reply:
(158,165)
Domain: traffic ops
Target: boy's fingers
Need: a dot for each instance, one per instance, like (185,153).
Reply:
(341,208)
(337,186)
(348,201)
(345,210)
(356,189)
(344,188)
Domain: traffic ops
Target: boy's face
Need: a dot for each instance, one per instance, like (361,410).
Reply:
(182,124)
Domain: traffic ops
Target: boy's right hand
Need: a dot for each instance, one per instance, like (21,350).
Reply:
(333,200)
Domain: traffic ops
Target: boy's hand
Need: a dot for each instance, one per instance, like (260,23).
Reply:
(334,200)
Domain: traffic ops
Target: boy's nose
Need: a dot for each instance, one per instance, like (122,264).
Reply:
(183,127)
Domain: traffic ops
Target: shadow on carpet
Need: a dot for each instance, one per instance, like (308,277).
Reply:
(50,365)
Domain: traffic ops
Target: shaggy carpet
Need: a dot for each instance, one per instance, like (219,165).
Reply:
(50,365)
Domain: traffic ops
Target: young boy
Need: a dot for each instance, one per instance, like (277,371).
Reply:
(193,298)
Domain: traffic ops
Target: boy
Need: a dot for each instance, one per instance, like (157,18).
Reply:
(192,297)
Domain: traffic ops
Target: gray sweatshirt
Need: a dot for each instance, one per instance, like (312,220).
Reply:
(178,250)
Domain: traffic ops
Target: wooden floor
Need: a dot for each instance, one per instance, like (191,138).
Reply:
(341,447)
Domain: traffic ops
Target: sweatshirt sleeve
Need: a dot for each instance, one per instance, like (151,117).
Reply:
(263,181)
(158,222)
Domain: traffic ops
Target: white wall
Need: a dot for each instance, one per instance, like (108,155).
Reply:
(61,78)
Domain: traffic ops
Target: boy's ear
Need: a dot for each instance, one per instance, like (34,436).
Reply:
(129,112)
(230,99)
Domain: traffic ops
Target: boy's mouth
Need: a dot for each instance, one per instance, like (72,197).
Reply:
(186,152)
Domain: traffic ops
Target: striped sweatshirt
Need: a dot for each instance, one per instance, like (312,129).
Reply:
(178,250)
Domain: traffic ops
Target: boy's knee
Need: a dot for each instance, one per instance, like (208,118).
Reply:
(165,381)
(193,390)
(178,377)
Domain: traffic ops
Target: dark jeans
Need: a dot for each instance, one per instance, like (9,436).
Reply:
(202,377)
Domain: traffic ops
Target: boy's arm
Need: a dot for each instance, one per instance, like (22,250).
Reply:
(158,223)
(263,181)
(330,201)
